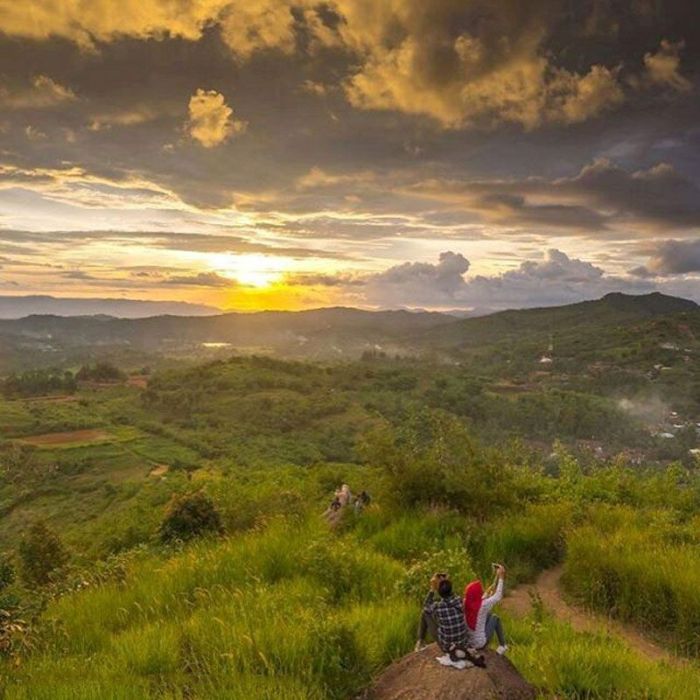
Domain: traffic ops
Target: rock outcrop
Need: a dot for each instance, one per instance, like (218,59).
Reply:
(419,676)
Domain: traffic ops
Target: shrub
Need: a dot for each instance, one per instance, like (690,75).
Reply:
(41,555)
(7,573)
(455,562)
(189,515)
(432,459)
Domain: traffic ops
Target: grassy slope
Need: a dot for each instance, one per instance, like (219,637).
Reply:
(294,611)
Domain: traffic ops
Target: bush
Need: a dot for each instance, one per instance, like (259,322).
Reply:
(41,554)
(455,562)
(7,573)
(190,515)
(431,459)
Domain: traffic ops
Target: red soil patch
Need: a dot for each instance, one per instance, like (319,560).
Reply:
(66,438)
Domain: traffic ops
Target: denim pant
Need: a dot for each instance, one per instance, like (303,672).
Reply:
(494,626)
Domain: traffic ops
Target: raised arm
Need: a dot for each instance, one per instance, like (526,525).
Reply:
(488,603)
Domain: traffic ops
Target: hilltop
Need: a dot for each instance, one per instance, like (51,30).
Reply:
(418,676)
(343,333)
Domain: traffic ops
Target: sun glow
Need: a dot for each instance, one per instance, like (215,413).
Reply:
(257,271)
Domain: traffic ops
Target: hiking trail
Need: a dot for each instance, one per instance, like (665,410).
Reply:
(547,586)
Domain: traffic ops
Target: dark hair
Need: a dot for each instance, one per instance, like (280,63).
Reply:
(445,588)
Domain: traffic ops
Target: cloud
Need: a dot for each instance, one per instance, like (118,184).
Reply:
(248,27)
(601,196)
(672,257)
(201,279)
(425,283)
(210,119)
(125,117)
(43,93)
(96,21)
(323,280)
(34,134)
(480,63)
(170,240)
(663,67)
(554,279)
(469,65)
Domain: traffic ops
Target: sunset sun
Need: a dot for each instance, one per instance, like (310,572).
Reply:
(257,271)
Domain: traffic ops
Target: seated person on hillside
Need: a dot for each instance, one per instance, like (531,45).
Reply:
(446,617)
(362,501)
(344,495)
(481,622)
(333,507)
(427,625)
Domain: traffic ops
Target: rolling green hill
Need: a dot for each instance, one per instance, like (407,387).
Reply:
(472,449)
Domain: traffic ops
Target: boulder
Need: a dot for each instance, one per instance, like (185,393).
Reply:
(419,676)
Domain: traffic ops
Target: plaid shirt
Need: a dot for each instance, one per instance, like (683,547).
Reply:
(449,617)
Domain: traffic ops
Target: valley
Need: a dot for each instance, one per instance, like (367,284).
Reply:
(472,448)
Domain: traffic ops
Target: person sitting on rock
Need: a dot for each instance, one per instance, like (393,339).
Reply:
(449,623)
(482,624)
(428,624)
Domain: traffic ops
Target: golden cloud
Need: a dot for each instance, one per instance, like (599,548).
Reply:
(663,67)
(210,121)
(460,63)
(44,92)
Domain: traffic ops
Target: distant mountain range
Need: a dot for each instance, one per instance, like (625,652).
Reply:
(21,306)
(587,329)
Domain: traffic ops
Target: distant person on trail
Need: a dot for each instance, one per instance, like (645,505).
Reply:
(341,498)
(344,495)
(481,622)
(362,501)
(445,619)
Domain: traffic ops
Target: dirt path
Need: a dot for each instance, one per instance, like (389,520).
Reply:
(519,602)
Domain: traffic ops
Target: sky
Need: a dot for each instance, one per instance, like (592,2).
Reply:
(251,154)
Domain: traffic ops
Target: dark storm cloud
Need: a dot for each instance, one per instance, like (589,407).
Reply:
(671,257)
(601,195)
(448,64)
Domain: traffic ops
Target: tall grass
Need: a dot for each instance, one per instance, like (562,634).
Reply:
(293,605)
(563,663)
(639,568)
(526,542)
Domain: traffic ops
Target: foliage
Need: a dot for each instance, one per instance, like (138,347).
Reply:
(453,562)
(100,372)
(190,515)
(432,459)
(7,572)
(38,382)
(41,555)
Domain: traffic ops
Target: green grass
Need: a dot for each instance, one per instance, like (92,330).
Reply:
(563,663)
(640,569)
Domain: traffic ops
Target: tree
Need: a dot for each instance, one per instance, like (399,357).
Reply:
(189,515)
(41,555)
(431,459)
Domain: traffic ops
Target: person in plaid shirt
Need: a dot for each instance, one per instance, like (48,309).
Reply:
(447,613)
